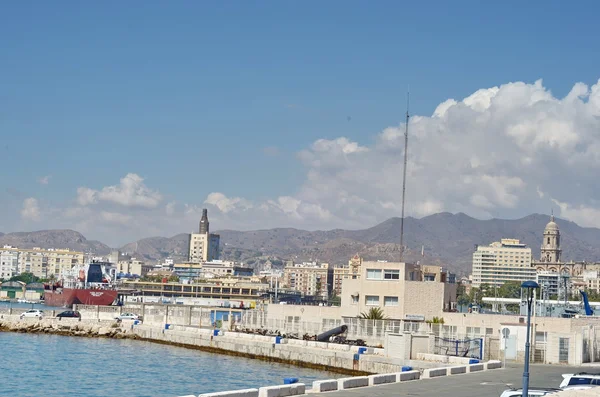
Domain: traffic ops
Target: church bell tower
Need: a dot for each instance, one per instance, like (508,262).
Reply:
(551,251)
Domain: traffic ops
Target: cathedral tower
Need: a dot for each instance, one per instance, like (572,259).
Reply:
(551,243)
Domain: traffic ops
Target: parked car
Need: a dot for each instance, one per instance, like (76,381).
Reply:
(580,379)
(128,316)
(533,392)
(32,313)
(69,313)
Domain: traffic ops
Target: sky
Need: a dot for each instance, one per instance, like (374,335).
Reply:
(123,121)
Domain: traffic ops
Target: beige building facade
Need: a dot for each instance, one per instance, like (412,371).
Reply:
(400,290)
(310,278)
(342,272)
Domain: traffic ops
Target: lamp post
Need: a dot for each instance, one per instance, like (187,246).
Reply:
(529,286)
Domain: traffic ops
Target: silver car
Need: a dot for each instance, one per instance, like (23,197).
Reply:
(127,316)
(32,313)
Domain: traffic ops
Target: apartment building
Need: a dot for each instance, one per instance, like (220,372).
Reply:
(43,263)
(341,272)
(9,262)
(309,278)
(404,291)
(549,281)
(204,246)
(499,262)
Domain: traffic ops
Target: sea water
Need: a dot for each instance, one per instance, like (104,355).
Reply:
(53,365)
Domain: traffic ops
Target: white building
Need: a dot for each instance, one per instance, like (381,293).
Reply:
(549,281)
(499,262)
(9,262)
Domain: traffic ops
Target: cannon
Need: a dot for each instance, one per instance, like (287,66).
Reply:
(324,337)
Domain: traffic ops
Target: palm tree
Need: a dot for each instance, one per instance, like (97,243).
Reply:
(374,313)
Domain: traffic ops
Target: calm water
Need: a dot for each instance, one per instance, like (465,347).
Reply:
(52,366)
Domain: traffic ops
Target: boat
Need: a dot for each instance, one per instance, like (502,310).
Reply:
(85,285)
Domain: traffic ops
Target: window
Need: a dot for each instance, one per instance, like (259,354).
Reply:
(354,299)
(392,275)
(373,274)
(390,301)
(372,300)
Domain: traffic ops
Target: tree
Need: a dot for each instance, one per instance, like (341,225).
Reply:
(26,278)
(374,313)
(463,300)
(510,289)
(334,299)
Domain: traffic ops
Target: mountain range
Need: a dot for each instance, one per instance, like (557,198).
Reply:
(445,239)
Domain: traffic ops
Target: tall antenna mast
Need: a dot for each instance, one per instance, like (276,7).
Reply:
(404,177)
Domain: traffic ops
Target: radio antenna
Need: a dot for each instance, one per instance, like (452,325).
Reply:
(404,175)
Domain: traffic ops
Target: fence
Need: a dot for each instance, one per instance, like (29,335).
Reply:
(470,348)
(371,331)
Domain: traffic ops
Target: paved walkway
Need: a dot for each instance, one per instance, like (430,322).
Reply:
(478,384)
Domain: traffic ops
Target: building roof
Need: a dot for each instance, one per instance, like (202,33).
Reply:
(551,225)
(13,284)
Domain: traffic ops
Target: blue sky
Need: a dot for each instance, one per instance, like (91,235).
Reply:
(93,91)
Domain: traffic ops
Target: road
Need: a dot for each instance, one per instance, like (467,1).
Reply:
(478,384)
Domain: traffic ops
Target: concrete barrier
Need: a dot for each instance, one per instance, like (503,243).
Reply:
(381,379)
(408,375)
(475,367)
(434,372)
(282,391)
(460,369)
(493,364)
(233,393)
(320,386)
(350,383)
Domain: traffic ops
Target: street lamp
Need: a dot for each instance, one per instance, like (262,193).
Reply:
(529,286)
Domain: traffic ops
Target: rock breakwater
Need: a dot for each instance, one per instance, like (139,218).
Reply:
(68,328)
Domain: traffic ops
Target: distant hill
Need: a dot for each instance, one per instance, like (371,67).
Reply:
(156,248)
(54,239)
(448,240)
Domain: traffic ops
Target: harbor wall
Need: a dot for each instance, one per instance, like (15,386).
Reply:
(329,356)
(581,336)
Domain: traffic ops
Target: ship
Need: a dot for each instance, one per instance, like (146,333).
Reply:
(89,284)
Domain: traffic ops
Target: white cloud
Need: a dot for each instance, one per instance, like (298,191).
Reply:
(31,209)
(226,204)
(580,214)
(130,192)
(170,208)
(115,217)
(44,180)
(86,196)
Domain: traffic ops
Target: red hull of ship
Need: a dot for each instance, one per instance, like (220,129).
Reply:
(69,296)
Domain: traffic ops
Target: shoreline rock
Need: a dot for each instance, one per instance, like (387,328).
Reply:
(79,330)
